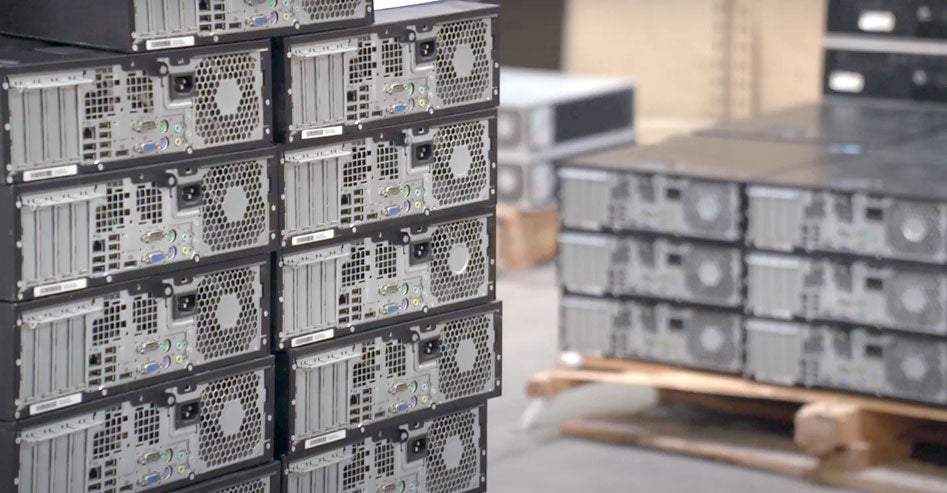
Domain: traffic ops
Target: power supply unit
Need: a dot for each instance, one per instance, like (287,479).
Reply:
(549,115)
(413,63)
(861,291)
(446,454)
(69,110)
(385,278)
(848,126)
(262,479)
(856,359)
(896,18)
(883,68)
(526,185)
(115,226)
(688,186)
(146,25)
(405,371)
(655,331)
(66,350)
(155,440)
(388,179)
(652,267)
(888,204)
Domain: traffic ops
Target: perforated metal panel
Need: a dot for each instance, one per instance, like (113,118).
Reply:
(357,80)
(380,377)
(136,445)
(593,327)
(127,336)
(373,180)
(74,233)
(109,115)
(786,286)
(663,268)
(788,219)
(449,460)
(598,199)
(368,280)
(157,20)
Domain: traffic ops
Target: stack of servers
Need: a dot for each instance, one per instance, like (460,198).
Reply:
(804,247)
(547,117)
(251,246)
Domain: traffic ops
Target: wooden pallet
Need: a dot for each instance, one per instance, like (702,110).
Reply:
(526,238)
(826,437)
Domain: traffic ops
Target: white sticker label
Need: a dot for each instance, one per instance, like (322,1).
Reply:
(842,81)
(322,132)
(164,44)
(44,407)
(46,174)
(314,237)
(62,287)
(324,439)
(325,335)
(877,21)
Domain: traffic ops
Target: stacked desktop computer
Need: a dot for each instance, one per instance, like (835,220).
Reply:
(803,247)
(250,244)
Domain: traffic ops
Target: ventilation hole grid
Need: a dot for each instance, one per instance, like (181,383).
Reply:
(218,338)
(387,158)
(147,425)
(385,460)
(239,121)
(234,211)
(217,446)
(355,472)
(100,102)
(396,359)
(145,315)
(449,241)
(148,204)
(139,89)
(331,9)
(448,474)
(392,58)
(463,39)
(462,335)
(111,438)
(456,178)
(252,486)
(354,271)
(386,261)
(362,67)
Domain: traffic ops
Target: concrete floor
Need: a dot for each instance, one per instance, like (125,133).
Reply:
(541,461)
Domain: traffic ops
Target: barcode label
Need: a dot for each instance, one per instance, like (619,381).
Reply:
(45,407)
(46,174)
(322,132)
(163,44)
(62,287)
(314,237)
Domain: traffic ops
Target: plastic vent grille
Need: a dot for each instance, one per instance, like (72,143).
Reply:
(147,425)
(392,58)
(234,211)
(215,340)
(100,101)
(112,438)
(148,204)
(454,181)
(331,9)
(463,335)
(915,229)
(252,486)
(220,401)
(145,315)
(385,460)
(462,39)
(140,92)
(395,361)
(216,74)
(354,473)
(444,433)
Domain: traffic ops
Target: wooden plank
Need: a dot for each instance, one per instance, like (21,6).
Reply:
(729,445)
(850,437)
(624,372)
